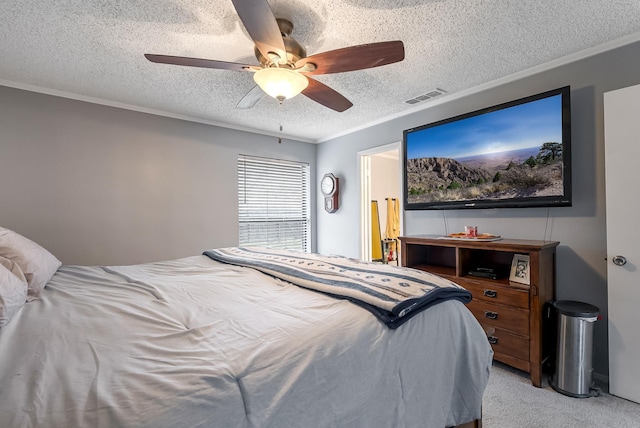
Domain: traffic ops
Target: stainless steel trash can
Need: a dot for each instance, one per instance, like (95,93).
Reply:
(573,374)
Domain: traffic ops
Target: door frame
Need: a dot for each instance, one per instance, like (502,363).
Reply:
(364,170)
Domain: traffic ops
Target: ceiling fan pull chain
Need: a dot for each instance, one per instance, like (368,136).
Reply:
(280,120)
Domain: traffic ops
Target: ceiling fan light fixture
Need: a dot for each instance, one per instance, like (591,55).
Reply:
(280,83)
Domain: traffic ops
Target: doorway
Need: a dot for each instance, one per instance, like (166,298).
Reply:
(380,179)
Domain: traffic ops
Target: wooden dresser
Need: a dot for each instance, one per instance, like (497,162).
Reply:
(509,312)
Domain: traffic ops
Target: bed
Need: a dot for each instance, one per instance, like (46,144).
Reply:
(196,342)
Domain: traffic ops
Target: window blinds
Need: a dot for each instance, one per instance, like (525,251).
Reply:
(274,203)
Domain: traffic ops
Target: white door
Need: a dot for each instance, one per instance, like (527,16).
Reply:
(622,156)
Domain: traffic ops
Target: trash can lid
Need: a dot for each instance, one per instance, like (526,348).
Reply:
(576,309)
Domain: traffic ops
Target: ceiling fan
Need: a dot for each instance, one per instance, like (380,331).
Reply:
(284,69)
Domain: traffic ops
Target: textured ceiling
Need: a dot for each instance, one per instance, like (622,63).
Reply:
(93,50)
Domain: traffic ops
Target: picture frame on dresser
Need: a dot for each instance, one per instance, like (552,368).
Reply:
(520,269)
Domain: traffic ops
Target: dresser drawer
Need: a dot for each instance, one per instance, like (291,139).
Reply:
(505,317)
(496,293)
(507,343)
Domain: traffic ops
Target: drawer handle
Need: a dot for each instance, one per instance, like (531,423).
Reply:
(491,315)
(492,340)
(490,293)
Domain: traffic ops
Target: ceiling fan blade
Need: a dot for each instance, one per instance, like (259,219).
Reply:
(251,98)
(354,58)
(321,93)
(199,62)
(261,24)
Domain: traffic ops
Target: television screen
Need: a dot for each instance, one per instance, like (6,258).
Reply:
(516,154)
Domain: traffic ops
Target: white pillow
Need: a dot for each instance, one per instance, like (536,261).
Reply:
(37,264)
(13,290)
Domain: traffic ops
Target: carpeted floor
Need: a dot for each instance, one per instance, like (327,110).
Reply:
(510,401)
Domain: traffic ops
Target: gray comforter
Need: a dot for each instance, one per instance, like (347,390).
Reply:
(197,343)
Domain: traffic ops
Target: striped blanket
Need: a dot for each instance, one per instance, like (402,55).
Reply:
(393,294)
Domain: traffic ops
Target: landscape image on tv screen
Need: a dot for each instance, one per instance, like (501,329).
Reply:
(513,153)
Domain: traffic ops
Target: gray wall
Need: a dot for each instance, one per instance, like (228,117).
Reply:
(581,273)
(101,185)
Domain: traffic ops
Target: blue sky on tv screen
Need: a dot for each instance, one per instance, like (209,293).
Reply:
(513,128)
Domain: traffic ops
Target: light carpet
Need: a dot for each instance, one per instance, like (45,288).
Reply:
(510,401)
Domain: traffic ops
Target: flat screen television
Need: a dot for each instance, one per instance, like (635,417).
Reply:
(516,154)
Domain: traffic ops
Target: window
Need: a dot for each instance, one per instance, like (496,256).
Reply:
(273,203)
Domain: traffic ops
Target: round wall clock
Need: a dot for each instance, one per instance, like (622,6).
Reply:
(330,189)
